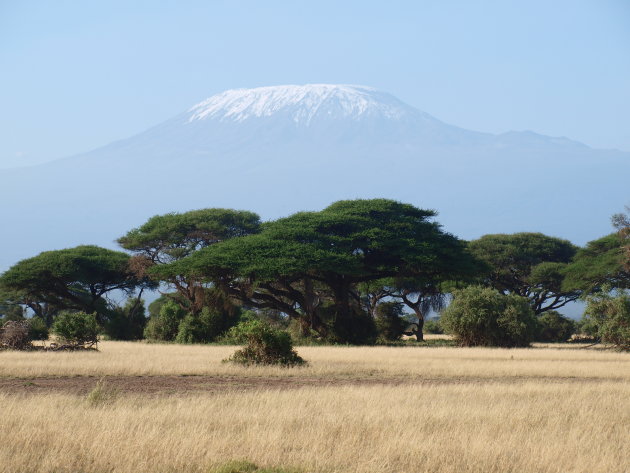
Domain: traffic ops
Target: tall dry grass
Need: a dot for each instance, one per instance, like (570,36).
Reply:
(130,358)
(522,427)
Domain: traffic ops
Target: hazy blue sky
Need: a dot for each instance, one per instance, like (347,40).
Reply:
(79,74)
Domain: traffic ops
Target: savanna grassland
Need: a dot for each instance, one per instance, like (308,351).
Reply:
(137,407)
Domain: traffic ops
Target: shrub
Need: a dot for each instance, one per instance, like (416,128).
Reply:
(165,326)
(76,328)
(201,328)
(127,322)
(265,345)
(356,327)
(554,327)
(14,335)
(607,317)
(480,316)
(37,329)
(101,395)
(389,322)
(433,326)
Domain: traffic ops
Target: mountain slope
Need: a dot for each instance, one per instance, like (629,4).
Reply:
(276,150)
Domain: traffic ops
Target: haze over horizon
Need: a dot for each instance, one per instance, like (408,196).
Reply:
(82,76)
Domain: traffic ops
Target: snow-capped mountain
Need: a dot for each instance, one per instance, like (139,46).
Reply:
(277,150)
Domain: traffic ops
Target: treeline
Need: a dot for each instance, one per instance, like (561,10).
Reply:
(357,272)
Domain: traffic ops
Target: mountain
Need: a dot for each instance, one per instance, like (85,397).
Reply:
(277,150)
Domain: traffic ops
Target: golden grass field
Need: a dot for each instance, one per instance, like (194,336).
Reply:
(404,409)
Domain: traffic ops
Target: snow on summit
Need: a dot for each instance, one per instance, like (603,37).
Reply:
(302,103)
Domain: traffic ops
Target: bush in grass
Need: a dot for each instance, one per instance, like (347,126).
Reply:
(76,328)
(37,329)
(126,322)
(264,345)
(389,321)
(554,327)
(202,328)
(607,317)
(165,326)
(480,316)
(14,335)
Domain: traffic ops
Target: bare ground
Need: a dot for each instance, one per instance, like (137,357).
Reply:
(184,384)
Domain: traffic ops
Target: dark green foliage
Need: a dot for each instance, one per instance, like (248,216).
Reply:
(607,317)
(554,327)
(531,265)
(204,327)
(481,316)
(76,278)
(165,239)
(265,345)
(309,265)
(165,326)
(37,329)
(433,326)
(600,263)
(155,306)
(76,328)
(127,322)
(390,324)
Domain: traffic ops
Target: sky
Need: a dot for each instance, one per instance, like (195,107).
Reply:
(79,74)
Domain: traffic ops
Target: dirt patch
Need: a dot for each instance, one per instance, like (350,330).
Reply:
(169,385)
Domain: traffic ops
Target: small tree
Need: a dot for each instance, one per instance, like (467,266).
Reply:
(165,326)
(126,322)
(76,328)
(204,327)
(554,327)
(390,324)
(607,317)
(481,316)
(265,345)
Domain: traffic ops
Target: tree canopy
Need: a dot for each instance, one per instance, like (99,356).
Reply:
(308,265)
(601,263)
(164,239)
(531,265)
(74,278)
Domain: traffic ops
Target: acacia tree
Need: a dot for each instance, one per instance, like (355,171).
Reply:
(309,265)
(530,265)
(76,278)
(165,239)
(621,222)
(600,265)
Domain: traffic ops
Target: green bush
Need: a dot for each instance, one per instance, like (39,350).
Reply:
(480,316)
(265,345)
(76,328)
(389,322)
(554,327)
(165,326)
(204,327)
(433,326)
(355,328)
(37,329)
(127,322)
(607,317)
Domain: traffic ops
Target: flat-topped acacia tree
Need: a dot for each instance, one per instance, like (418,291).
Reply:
(530,265)
(165,239)
(308,265)
(75,278)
